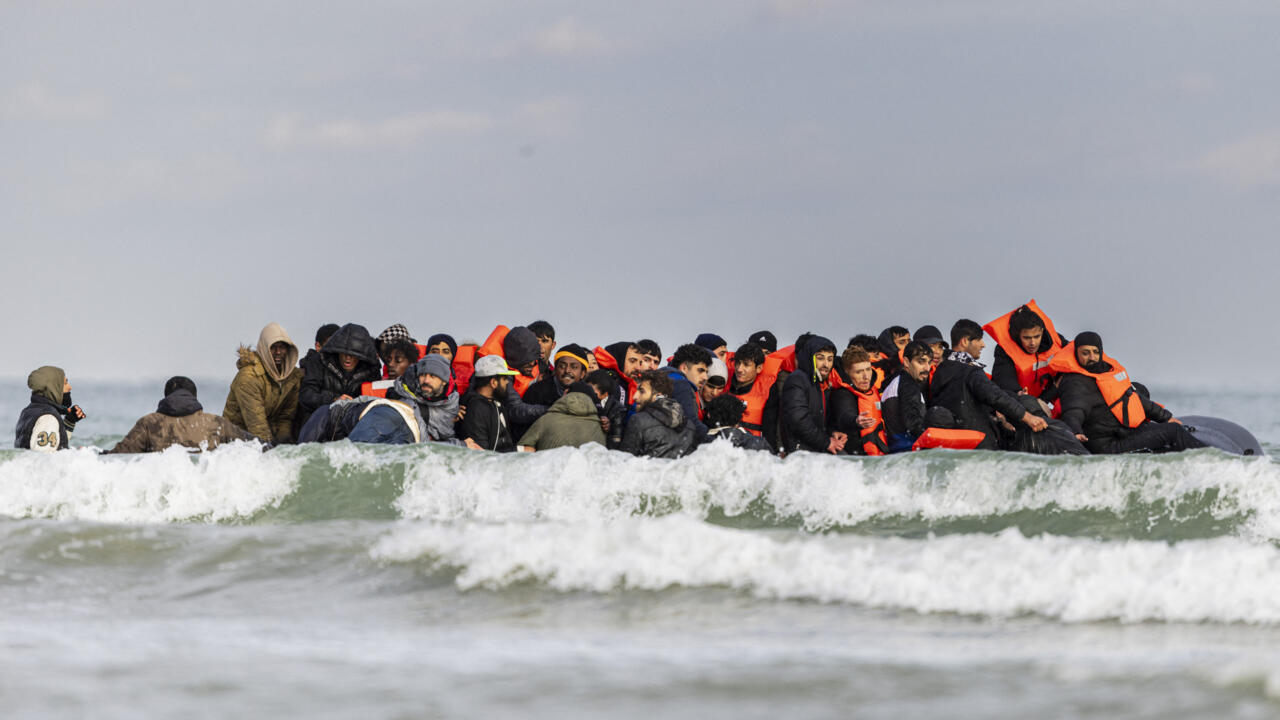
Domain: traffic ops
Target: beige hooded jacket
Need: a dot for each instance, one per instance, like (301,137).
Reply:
(263,398)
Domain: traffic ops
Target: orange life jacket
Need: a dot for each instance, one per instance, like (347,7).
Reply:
(874,441)
(1116,387)
(464,366)
(1033,368)
(953,439)
(607,361)
(757,397)
(786,359)
(493,344)
(378,388)
(521,382)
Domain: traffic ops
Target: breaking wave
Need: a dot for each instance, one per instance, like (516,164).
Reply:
(1202,494)
(1002,575)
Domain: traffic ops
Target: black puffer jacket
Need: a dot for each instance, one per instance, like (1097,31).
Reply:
(659,430)
(966,391)
(324,380)
(803,407)
(1085,412)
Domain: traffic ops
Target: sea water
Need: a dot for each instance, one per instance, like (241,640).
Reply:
(336,581)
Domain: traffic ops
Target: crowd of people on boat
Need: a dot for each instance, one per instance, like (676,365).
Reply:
(520,390)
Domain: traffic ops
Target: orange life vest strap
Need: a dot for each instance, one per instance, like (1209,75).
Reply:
(1116,387)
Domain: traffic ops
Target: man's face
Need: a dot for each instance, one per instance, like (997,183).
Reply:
(397,364)
(745,372)
(644,394)
(430,385)
(66,385)
(347,362)
(918,367)
(823,362)
(592,364)
(722,352)
(902,340)
(973,346)
(696,373)
(861,373)
(633,364)
(652,362)
(504,384)
(279,351)
(545,346)
(1087,355)
(569,371)
(1030,339)
(711,392)
(875,355)
(527,368)
(938,350)
(442,349)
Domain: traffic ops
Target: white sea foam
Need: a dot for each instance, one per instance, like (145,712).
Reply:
(236,480)
(825,491)
(1002,575)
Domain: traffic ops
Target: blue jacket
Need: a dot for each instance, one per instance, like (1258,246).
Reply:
(683,392)
(383,425)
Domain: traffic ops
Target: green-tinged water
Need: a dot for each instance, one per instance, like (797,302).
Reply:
(341,580)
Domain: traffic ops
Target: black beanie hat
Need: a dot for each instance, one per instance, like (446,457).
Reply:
(443,338)
(1089,337)
(764,339)
(178,382)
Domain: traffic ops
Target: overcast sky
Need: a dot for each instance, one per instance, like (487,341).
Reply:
(176,175)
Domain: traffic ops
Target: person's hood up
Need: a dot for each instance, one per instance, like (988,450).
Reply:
(355,340)
(618,351)
(575,403)
(887,345)
(520,347)
(47,382)
(179,403)
(804,360)
(270,335)
(667,411)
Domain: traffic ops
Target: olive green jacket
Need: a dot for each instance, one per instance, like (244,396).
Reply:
(571,421)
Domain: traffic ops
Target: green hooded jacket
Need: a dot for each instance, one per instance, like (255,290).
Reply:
(571,421)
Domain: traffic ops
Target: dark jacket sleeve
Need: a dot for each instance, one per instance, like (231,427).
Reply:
(796,420)
(633,438)
(1004,374)
(1155,412)
(911,407)
(520,412)
(988,393)
(1077,400)
(682,392)
(770,416)
(842,412)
